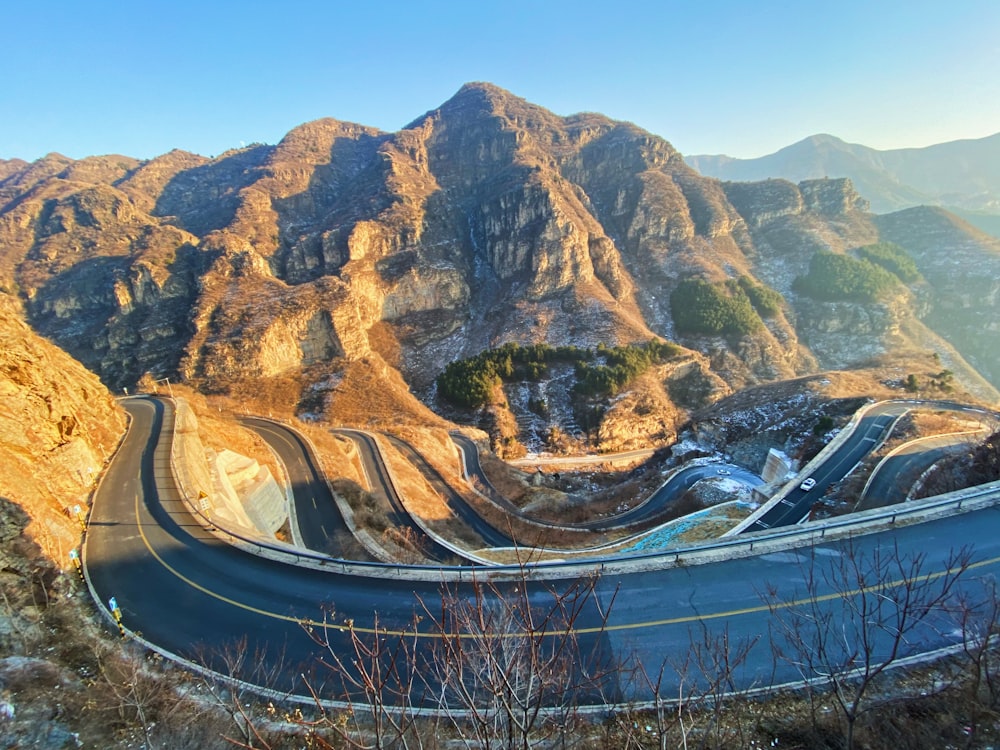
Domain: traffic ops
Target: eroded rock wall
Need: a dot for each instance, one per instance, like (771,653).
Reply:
(486,220)
(58,425)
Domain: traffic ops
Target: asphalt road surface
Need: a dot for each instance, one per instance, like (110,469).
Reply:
(491,536)
(871,430)
(895,477)
(196,597)
(319,523)
(382,487)
(797,503)
(679,483)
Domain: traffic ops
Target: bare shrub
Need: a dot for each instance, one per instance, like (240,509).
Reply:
(510,672)
(859,616)
(483,665)
(708,702)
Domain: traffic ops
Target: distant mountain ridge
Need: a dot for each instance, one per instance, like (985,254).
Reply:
(963,176)
(345,254)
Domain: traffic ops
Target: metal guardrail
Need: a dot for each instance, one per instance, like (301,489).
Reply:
(842,436)
(982,496)
(801,535)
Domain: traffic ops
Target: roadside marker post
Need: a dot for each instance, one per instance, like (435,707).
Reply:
(80,517)
(75,557)
(117,614)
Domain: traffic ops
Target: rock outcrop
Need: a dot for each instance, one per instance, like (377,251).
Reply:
(762,203)
(58,425)
(486,220)
(789,223)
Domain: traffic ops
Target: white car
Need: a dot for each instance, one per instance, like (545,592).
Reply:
(808,484)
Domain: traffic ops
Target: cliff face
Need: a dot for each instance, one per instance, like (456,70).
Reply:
(789,223)
(762,203)
(57,426)
(486,220)
(957,264)
(962,268)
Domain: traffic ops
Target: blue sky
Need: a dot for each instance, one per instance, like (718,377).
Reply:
(711,76)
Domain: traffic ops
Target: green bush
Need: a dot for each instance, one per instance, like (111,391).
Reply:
(893,259)
(622,364)
(700,306)
(766,301)
(469,382)
(472,382)
(833,277)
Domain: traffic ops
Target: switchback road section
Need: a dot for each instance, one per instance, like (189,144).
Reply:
(657,503)
(193,596)
(384,488)
(797,502)
(318,521)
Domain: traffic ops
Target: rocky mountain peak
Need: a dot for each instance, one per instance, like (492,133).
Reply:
(11,166)
(100,169)
(832,197)
(760,203)
(489,219)
(313,142)
(477,98)
(20,181)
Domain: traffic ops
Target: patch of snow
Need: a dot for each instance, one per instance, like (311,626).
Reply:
(685,446)
(556,392)
(773,415)
(732,486)
(666,535)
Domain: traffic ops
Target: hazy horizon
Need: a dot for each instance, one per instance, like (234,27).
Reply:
(719,78)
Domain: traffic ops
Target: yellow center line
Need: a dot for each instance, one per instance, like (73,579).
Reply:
(310,623)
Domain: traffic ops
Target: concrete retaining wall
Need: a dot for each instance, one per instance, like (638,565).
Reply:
(232,491)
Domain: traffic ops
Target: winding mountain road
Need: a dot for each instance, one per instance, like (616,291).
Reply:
(317,521)
(196,597)
(676,485)
(491,536)
(382,486)
(899,473)
(794,505)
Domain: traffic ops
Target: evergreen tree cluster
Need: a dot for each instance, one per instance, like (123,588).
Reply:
(766,301)
(471,382)
(892,258)
(833,277)
(734,306)
(622,364)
